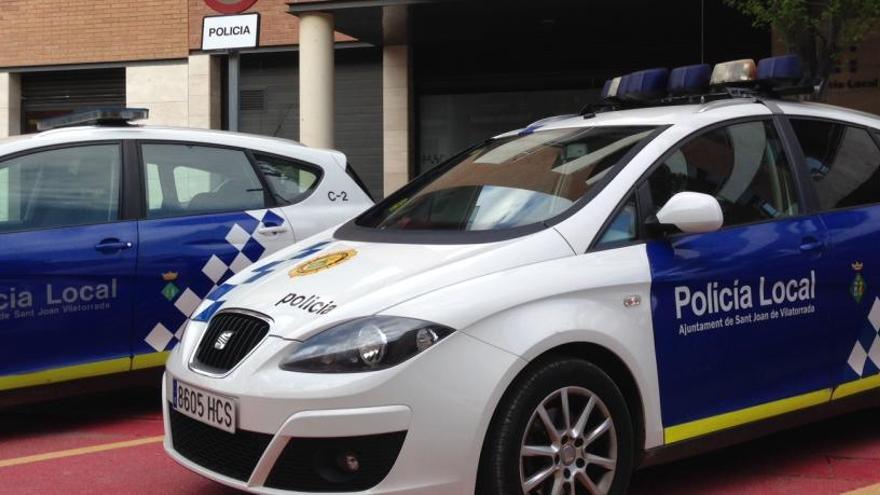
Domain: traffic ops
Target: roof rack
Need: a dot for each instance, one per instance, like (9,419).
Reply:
(96,116)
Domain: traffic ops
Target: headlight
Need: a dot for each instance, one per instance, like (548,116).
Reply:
(365,344)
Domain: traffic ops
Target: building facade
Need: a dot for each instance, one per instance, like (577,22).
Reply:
(398,85)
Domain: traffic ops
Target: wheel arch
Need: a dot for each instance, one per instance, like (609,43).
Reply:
(609,362)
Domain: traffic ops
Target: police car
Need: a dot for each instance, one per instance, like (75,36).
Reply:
(547,311)
(112,234)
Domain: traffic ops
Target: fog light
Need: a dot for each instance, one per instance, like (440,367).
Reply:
(349,462)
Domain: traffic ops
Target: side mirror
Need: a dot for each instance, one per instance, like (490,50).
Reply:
(692,213)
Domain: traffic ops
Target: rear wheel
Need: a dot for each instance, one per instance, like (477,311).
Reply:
(563,429)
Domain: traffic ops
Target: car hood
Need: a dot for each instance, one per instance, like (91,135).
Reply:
(316,283)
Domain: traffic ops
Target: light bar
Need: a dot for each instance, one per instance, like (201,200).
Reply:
(690,79)
(733,72)
(786,69)
(611,87)
(647,84)
(98,116)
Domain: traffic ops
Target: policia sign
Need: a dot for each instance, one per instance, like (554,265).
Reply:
(229,32)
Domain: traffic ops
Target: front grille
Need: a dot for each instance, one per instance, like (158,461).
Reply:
(313,464)
(229,338)
(230,454)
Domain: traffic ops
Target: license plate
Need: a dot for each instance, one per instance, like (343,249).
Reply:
(204,406)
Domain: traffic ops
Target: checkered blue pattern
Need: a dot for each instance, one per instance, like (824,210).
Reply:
(217,296)
(243,248)
(864,359)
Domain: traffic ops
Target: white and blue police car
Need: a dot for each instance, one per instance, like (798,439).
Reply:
(555,307)
(111,234)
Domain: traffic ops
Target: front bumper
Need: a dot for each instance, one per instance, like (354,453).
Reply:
(436,407)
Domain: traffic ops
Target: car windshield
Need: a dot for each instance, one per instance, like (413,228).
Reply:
(508,182)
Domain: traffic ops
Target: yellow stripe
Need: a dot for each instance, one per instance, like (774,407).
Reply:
(868,490)
(142,361)
(854,387)
(736,418)
(80,451)
(46,377)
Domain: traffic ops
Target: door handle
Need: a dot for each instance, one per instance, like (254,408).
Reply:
(812,245)
(112,245)
(268,231)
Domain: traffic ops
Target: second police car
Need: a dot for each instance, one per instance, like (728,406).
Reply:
(555,307)
(111,234)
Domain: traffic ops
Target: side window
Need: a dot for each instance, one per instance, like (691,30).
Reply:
(742,165)
(623,227)
(843,161)
(290,180)
(193,180)
(60,188)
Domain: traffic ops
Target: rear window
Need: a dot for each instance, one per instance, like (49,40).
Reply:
(509,182)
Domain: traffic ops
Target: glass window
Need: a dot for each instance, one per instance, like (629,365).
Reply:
(843,161)
(290,180)
(509,182)
(623,228)
(742,165)
(193,180)
(59,188)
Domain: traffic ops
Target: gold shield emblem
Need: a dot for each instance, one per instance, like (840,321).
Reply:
(322,263)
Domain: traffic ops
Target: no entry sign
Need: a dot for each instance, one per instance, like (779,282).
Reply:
(230,6)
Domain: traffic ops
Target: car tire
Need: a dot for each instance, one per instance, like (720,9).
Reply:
(520,447)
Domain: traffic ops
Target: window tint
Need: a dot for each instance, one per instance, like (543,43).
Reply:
(843,161)
(623,227)
(193,180)
(742,165)
(509,182)
(290,180)
(58,188)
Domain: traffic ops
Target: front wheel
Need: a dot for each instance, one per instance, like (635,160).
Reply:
(563,429)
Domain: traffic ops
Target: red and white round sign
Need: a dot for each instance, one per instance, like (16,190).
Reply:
(230,6)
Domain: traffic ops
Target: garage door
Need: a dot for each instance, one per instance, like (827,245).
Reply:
(269,104)
(54,93)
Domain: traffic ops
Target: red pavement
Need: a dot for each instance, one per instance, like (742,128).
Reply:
(832,457)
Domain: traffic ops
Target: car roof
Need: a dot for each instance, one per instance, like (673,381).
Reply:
(68,135)
(678,114)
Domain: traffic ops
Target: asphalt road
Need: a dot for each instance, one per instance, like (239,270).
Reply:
(111,443)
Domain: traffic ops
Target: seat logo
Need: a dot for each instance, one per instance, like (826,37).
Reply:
(322,263)
(222,340)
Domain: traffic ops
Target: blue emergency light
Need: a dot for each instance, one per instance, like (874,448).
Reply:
(647,84)
(784,69)
(96,116)
(690,79)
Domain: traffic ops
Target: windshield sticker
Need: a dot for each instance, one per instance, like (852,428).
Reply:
(312,304)
(322,263)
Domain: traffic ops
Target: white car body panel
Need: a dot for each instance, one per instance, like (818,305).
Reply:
(511,301)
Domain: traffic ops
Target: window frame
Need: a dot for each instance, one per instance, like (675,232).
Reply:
(274,197)
(268,200)
(645,202)
(123,185)
(874,134)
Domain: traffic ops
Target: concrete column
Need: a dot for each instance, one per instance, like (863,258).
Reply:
(163,87)
(397,98)
(205,93)
(10,104)
(316,80)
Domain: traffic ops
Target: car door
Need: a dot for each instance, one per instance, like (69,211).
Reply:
(67,265)
(740,314)
(207,216)
(844,166)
